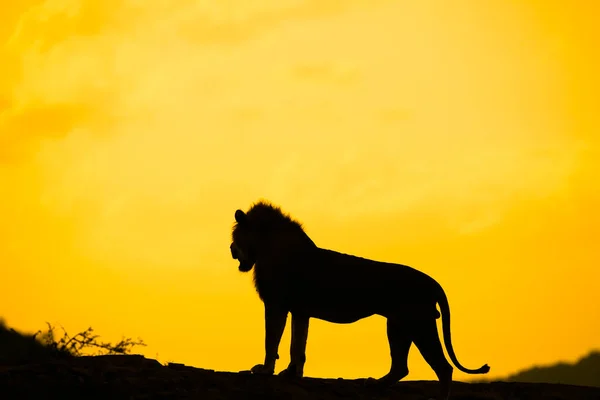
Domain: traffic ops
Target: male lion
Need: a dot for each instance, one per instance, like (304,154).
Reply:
(292,274)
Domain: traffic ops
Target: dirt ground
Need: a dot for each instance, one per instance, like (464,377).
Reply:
(136,377)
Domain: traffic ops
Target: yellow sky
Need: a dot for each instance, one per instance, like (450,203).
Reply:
(457,137)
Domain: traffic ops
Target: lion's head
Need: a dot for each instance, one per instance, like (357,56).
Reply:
(243,246)
(262,230)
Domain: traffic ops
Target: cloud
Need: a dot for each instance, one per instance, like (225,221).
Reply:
(45,120)
(238,21)
(49,23)
(11,14)
(56,65)
(66,64)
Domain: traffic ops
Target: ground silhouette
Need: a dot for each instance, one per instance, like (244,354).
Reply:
(17,348)
(584,372)
(32,370)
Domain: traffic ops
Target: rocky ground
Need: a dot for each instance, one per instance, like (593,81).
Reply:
(136,377)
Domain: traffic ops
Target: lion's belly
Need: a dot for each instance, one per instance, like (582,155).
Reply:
(339,315)
(341,305)
(352,311)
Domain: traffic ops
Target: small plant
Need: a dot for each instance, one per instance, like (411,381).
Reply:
(83,342)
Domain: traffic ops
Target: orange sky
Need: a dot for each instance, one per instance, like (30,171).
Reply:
(460,139)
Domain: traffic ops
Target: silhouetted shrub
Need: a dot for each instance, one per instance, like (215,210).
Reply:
(18,348)
(85,340)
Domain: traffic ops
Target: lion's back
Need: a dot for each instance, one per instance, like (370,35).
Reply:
(323,277)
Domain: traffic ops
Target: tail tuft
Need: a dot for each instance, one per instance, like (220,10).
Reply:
(485,369)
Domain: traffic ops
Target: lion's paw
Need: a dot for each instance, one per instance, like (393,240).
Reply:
(261,369)
(291,372)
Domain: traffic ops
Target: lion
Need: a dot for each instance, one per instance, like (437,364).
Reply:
(294,275)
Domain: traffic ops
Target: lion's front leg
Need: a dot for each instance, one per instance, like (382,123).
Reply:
(297,347)
(275,320)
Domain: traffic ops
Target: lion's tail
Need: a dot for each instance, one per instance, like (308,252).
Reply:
(445,311)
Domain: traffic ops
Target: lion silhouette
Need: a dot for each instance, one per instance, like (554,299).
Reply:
(293,275)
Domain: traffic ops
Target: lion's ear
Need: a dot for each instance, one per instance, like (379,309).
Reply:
(240,217)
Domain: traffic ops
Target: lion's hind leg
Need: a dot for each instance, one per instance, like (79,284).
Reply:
(399,339)
(425,336)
